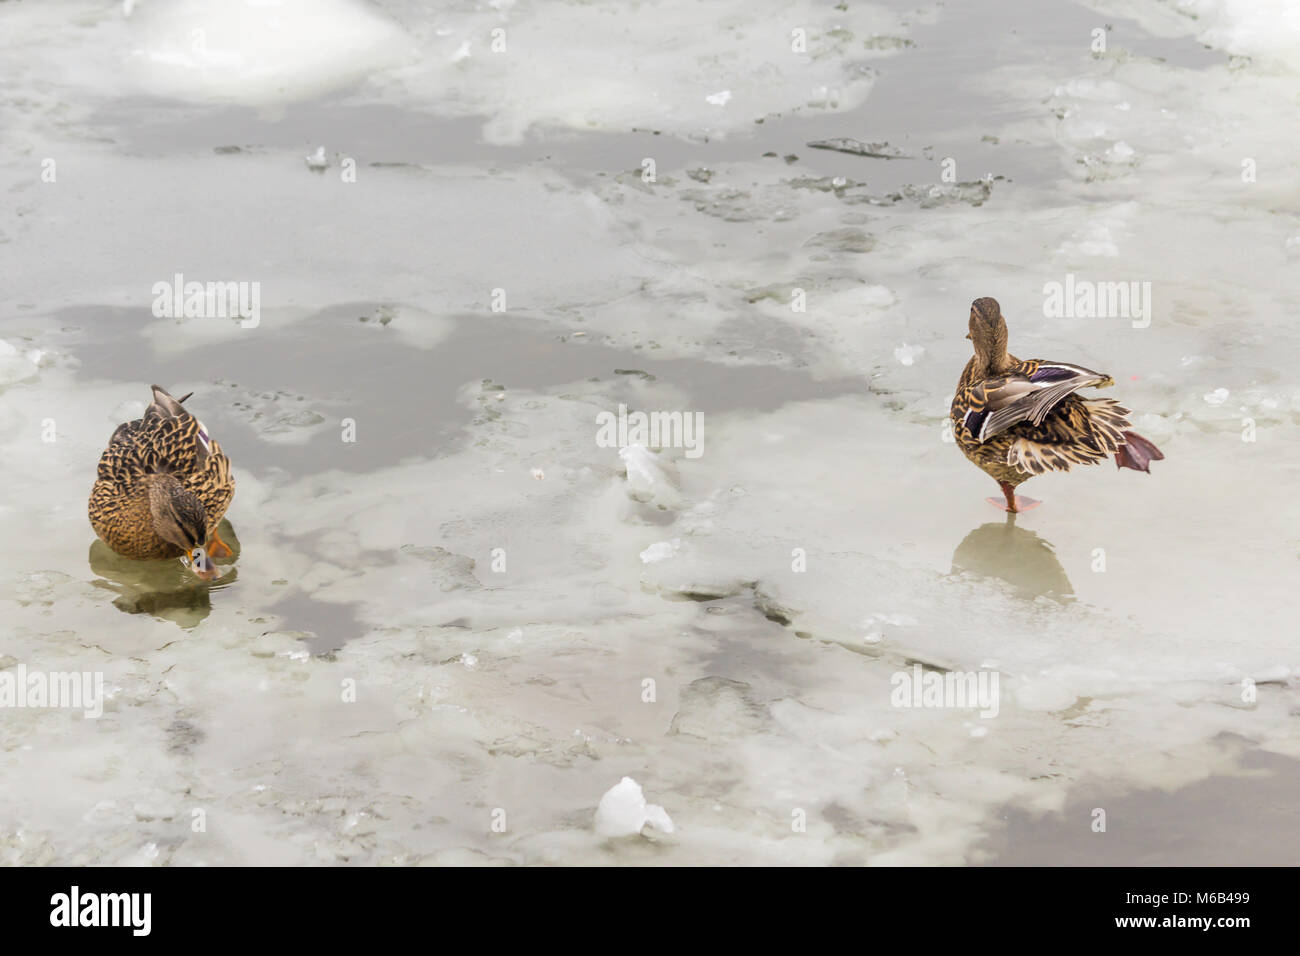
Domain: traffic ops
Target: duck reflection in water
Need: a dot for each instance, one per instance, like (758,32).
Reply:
(1015,555)
(163,588)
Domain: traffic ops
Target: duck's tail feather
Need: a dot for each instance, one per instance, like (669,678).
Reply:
(1105,423)
(1137,453)
(164,405)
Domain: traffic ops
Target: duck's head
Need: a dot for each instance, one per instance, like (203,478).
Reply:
(988,329)
(178,518)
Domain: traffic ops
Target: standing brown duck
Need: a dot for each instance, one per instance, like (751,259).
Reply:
(1018,419)
(162,489)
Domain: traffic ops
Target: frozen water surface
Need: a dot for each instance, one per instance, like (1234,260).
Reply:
(475,633)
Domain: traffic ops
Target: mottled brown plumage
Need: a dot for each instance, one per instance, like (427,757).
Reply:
(163,487)
(1018,419)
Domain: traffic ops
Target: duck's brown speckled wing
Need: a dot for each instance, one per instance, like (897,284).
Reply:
(153,446)
(1028,391)
(212,482)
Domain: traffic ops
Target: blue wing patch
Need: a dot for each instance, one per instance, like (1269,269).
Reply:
(1053,373)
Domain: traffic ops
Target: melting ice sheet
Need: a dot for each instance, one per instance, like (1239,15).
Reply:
(688,68)
(445,642)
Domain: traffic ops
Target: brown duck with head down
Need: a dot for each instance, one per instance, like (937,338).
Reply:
(162,489)
(1018,419)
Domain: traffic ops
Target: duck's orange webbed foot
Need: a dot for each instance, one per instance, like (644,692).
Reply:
(218,548)
(1013,503)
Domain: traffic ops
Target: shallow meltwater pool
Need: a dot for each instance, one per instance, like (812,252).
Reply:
(588,423)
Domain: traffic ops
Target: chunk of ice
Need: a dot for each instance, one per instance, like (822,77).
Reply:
(661,551)
(650,478)
(624,812)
